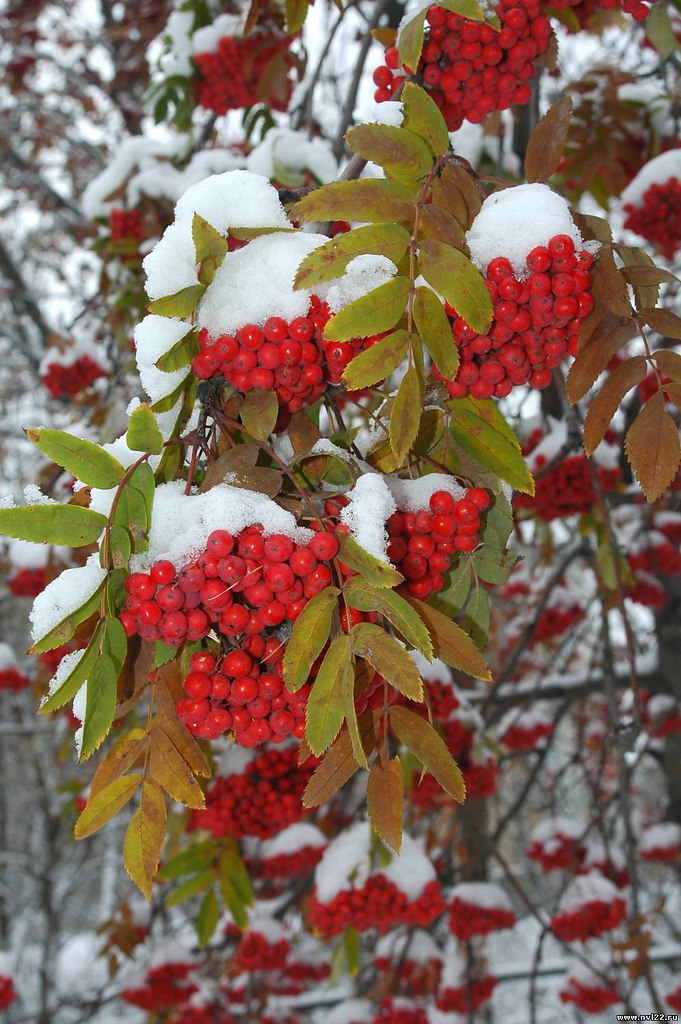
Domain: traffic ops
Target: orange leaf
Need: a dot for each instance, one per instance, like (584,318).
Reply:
(547,141)
(596,351)
(385,801)
(102,807)
(653,448)
(450,642)
(607,401)
(338,765)
(121,758)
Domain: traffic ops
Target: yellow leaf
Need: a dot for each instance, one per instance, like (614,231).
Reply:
(102,807)
(144,837)
(170,769)
(121,758)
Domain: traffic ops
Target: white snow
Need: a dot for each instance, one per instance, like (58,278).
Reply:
(293,151)
(181,523)
(34,496)
(295,837)
(514,221)
(370,505)
(71,589)
(256,282)
(487,895)
(362,275)
(420,947)
(351,1011)
(526,719)
(660,705)
(163,181)
(154,336)
(587,974)
(100,500)
(8,658)
(348,854)
(655,172)
(24,554)
(411,869)
(64,669)
(666,836)
(414,495)
(587,888)
(133,154)
(568,828)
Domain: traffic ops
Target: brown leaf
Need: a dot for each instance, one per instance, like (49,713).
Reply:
(179,734)
(653,448)
(102,806)
(302,432)
(423,740)
(339,764)
(547,141)
(385,801)
(595,353)
(607,401)
(172,772)
(123,756)
(441,225)
(663,321)
(609,286)
(456,191)
(237,467)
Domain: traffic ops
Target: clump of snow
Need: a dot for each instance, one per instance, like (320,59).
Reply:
(513,222)
(414,945)
(370,506)
(587,974)
(522,718)
(154,336)
(163,181)
(410,870)
(24,554)
(8,658)
(234,759)
(292,839)
(235,199)
(391,112)
(351,1011)
(414,495)
(482,894)
(270,929)
(207,39)
(256,282)
(178,34)
(592,887)
(100,500)
(70,354)
(362,275)
(181,523)
(660,704)
(568,828)
(34,496)
(64,670)
(71,589)
(136,153)
(664,836)
(656,172)
(291,151)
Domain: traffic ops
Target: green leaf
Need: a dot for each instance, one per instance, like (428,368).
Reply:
(367,598)
(371,569)
(208,242)
(377,311)
(115,590)
(419,736)
(401,153)
(476,616)
(452,597)
(233,867)
(181,304)
(195,858)
(86,461)
(75,679)
(259,412)
(405,417)
(494,566)
(309,635)
(466,8)
(330,260)
(331,692)
(410,41)
(207,918)
(497,523)
(480,430)
(190,887)
(452,645)
(435,330)
(163,653)
(422,116)
(296,12)
(454,277)
(69,525)
(377,362)
(115,642)
(389,658)
(660,31)
(366,200)
(181,354)
(105,804)
(120,547)
(65,629)
(100,704)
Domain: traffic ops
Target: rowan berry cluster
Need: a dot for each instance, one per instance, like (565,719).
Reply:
(557,851)
(657,216)
(260,801)
(7,993)
(27,582)
(467,997)
(66,380)
(124,225)
(400,1011)
(674,999)
(657,556)
(470,69)
(566,490)
(584,9)
(12,679)
(290,865)
(590,998)
(378,904)
(534,325)
(207,1013)
(229,78)
(256,953)
(467,918)
(287,357)
(555,622)
(163,987)
(589,920)
(519,736)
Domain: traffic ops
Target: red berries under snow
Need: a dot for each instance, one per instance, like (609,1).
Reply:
(478,908)
(590,906)
(470,69)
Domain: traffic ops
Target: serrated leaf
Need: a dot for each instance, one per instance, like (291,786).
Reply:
(476,616)
(606,403)
(422,116)
(494,566)
(144,837)
(405,417)
(208,242)
(401,153)
(442,226)
(172,772)
(100,704)
(75,679)
(86,461)
(663,321)
(452,597)
(115,641)
(419,736)
(71,526)
(595,352)
(388,657)
(105,804)
(181,353)
(454,277)
(378,310)
(372,569)
(258,413)
(330,260)
(296,12)
(456,191)
(366,200)
(331,691)
(338,764)
(385,801)
(410,41)
(653,448)
(360,594)
(65,629)
(233,867)
(547,141)
(194,859)
(121,758)
(377,362)
(466,8)
(435,331)
(207,918)
(498,523)
(480,430)
(308,637)
(451,644)
(668,362)
(609,288)
(180,305)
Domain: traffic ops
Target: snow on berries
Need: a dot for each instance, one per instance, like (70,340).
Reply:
(652,203)
(165,986)
(478,908)
(524,729)
(558,843)
(467,66)
(587,988)
(590,905)
(412,958)
(537,271)
(464,987)
(661,842)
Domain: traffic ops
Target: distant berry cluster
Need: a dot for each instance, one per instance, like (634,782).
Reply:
(27,582)
(468,996)
(165,986)
(229,78)
(592,998)
(534,326)
(126,225)
(657,217)
(467,919)
(7,993)
(378,904)
(13,680)
(66,380)
(470,69)
(590,919)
